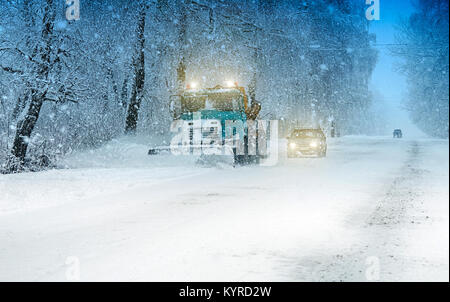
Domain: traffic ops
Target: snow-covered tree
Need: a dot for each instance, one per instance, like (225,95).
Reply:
(68,85)
(424,43)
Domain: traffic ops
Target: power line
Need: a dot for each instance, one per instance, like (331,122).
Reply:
(374,46)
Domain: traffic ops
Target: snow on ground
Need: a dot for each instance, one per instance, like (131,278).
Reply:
(374,209)
(117,166)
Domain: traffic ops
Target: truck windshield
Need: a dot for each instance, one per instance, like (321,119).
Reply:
(220,102)
(307,134)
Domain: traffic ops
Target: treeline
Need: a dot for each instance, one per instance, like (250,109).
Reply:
(424,49)
(66,85)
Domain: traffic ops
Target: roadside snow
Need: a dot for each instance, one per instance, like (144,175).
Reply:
(134,218)
(118,166)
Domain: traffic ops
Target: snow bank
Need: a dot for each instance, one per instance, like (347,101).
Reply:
(122,164)
(126,152)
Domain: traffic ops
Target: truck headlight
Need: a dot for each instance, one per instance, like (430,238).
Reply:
(292,145)
(230,84)
(314,145)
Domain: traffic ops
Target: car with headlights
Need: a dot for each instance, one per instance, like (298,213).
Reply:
(307,142)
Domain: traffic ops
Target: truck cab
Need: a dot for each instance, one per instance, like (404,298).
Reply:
(208,113)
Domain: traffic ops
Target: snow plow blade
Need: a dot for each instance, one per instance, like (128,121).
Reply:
(159,151)
(206,155)
(192,150)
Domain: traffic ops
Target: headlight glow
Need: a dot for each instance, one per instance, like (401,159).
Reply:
(230,84)
(293,145)
(192,85)
(314,145)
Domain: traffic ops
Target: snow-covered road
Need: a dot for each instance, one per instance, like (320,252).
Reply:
(374,209)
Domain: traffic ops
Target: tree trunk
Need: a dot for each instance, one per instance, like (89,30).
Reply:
(124,94)
(26,126)
(22,100)
(182,41)
(139,78)
(254,79)
(115,87)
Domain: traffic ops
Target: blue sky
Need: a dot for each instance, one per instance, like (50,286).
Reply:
(390,13)
(386,80)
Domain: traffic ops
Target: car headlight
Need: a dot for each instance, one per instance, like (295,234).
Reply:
(314,145)
(292,145)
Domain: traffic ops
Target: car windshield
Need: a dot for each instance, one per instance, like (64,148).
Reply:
(307,134)
(212,101)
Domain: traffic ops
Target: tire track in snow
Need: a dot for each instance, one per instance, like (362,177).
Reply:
(398,210)
(378,254)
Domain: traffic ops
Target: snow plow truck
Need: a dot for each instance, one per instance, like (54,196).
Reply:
(216,122)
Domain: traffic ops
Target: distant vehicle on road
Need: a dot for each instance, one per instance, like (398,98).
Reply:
(398,133)
(307,142)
